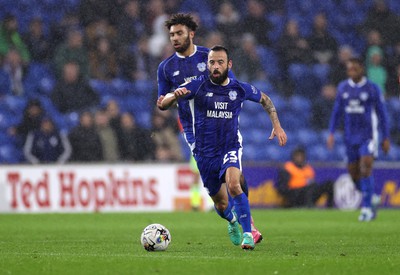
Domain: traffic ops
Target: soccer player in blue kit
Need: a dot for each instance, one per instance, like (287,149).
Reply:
(361,103)
(188,63)
(215,103)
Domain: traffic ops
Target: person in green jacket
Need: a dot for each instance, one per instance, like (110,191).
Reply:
(11,39)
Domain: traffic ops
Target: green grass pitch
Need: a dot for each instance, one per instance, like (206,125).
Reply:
(300,241)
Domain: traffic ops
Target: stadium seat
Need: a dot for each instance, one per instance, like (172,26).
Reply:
(10,155)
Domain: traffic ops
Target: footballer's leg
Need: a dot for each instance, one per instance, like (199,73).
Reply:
(367,188)
(224,208)
(254,231)
(242,207)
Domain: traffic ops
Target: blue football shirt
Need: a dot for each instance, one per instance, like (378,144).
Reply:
(177,70)
(215,111)
(362,106)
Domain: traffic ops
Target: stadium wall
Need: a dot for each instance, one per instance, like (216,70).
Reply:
(150,187)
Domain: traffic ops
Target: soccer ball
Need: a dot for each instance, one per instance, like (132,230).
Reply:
(155,237)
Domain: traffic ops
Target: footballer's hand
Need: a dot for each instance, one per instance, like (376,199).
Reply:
(280,135)
(159,100)
(181,92)
(386,145)
(330,142)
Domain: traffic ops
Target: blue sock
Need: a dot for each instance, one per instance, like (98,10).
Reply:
(227,214)
(245,188)
(367,189)
(242,209)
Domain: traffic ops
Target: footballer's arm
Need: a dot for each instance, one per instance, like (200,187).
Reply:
(171,98)
(277,129)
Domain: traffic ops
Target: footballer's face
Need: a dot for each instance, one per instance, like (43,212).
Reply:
(355,71)
(181,38)
(218,66)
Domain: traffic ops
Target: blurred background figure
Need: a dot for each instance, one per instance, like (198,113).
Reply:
(296,182)
(31,121)
(247,61)
(102,60)
(73,92)
(14,70)
(72,50)
(47,144)
(167,147)
(322,106)
(85,141)
(108,137)
(135,143)
(10,38)
(37,41)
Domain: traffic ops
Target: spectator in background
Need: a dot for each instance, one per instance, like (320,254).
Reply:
(247,60)
(228,23)
(137,63)
(36,41)
(47,144)
(59,30)
(323,47)
(295,57)
(322,106)
(130,24)
(393,69)
(375,70)
(338,70)
(73,93)
(322,44)
(381,19)
(134,142)
(11,39)
(114,114)
(256,22)
(167,147)
(156,17)
(108,137)
(85,141)
(297,185)
(99,29)
(14,70)
(33,114)
(72,50)
(90,11)
(214,38)
(293,47)
(102,60)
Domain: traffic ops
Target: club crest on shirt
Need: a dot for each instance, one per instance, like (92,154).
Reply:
(364,96)
(232,95)
(201,66)
(254,89)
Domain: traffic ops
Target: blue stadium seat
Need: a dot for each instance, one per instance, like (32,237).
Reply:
(16,104)
(269,61)
(9,154)
(7,120)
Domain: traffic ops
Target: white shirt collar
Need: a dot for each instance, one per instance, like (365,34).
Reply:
(229,81)
(359,84)
(182,56)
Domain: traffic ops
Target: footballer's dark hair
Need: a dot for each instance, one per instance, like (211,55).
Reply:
(356,60)
(219,48)
(182,19)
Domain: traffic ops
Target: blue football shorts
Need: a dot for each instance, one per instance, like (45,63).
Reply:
(212,169)
(356,151)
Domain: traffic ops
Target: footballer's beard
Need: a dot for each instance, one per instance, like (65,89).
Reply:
(184,46)
(220,78)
